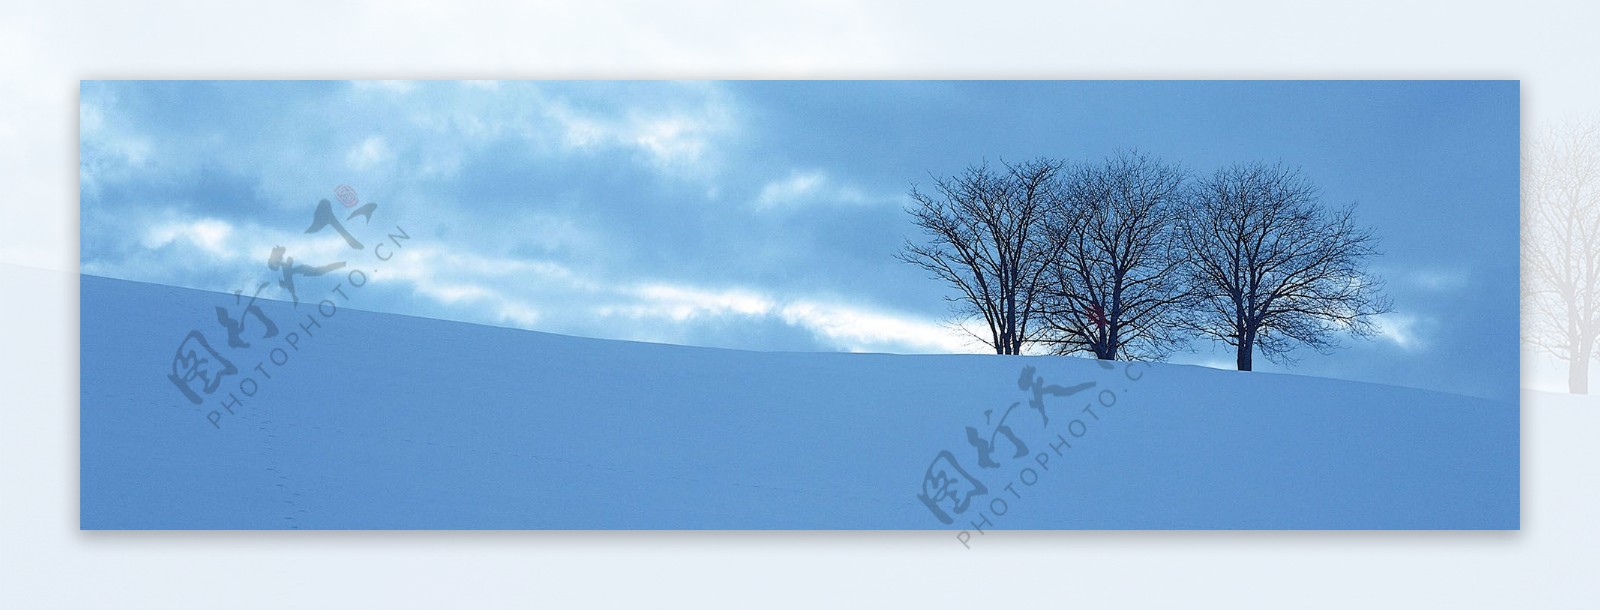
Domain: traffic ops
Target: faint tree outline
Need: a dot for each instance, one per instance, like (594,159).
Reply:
(1561,245)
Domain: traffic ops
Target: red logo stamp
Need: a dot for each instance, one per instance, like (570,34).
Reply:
(346,195)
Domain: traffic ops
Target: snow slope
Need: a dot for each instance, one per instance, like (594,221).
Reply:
(386,421)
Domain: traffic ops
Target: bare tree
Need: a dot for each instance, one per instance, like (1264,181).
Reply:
(1271,269)
(986,239)
(1116,290)
(1561,247)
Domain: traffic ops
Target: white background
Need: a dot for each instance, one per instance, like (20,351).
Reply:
(46,562)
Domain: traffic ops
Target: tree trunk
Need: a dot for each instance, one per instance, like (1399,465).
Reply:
(1246,346)
(1578,371)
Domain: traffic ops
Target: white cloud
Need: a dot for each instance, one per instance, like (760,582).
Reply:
(673,139)
(1426,278)
(864,330)
(841,326)
(1403,330)
(679,132)
(108,150)
(681,303)
(518,314)
(813,187)
(370,153)
(797,186)
(209,234)
(556,233)
(1439,280)
(578,131)
(452,293)
(496,288)
(208,253)
(91,118)
(540,294)
(525,292)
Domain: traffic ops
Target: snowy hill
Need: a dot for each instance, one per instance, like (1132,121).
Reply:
(371,420)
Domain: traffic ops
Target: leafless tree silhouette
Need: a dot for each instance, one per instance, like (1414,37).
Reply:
(1271,269)
(1561,246)
(986,239)
(1116,291)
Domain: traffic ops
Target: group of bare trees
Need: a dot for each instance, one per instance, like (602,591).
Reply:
(1130,257)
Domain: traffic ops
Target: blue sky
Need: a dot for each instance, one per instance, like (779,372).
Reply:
(765,215)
